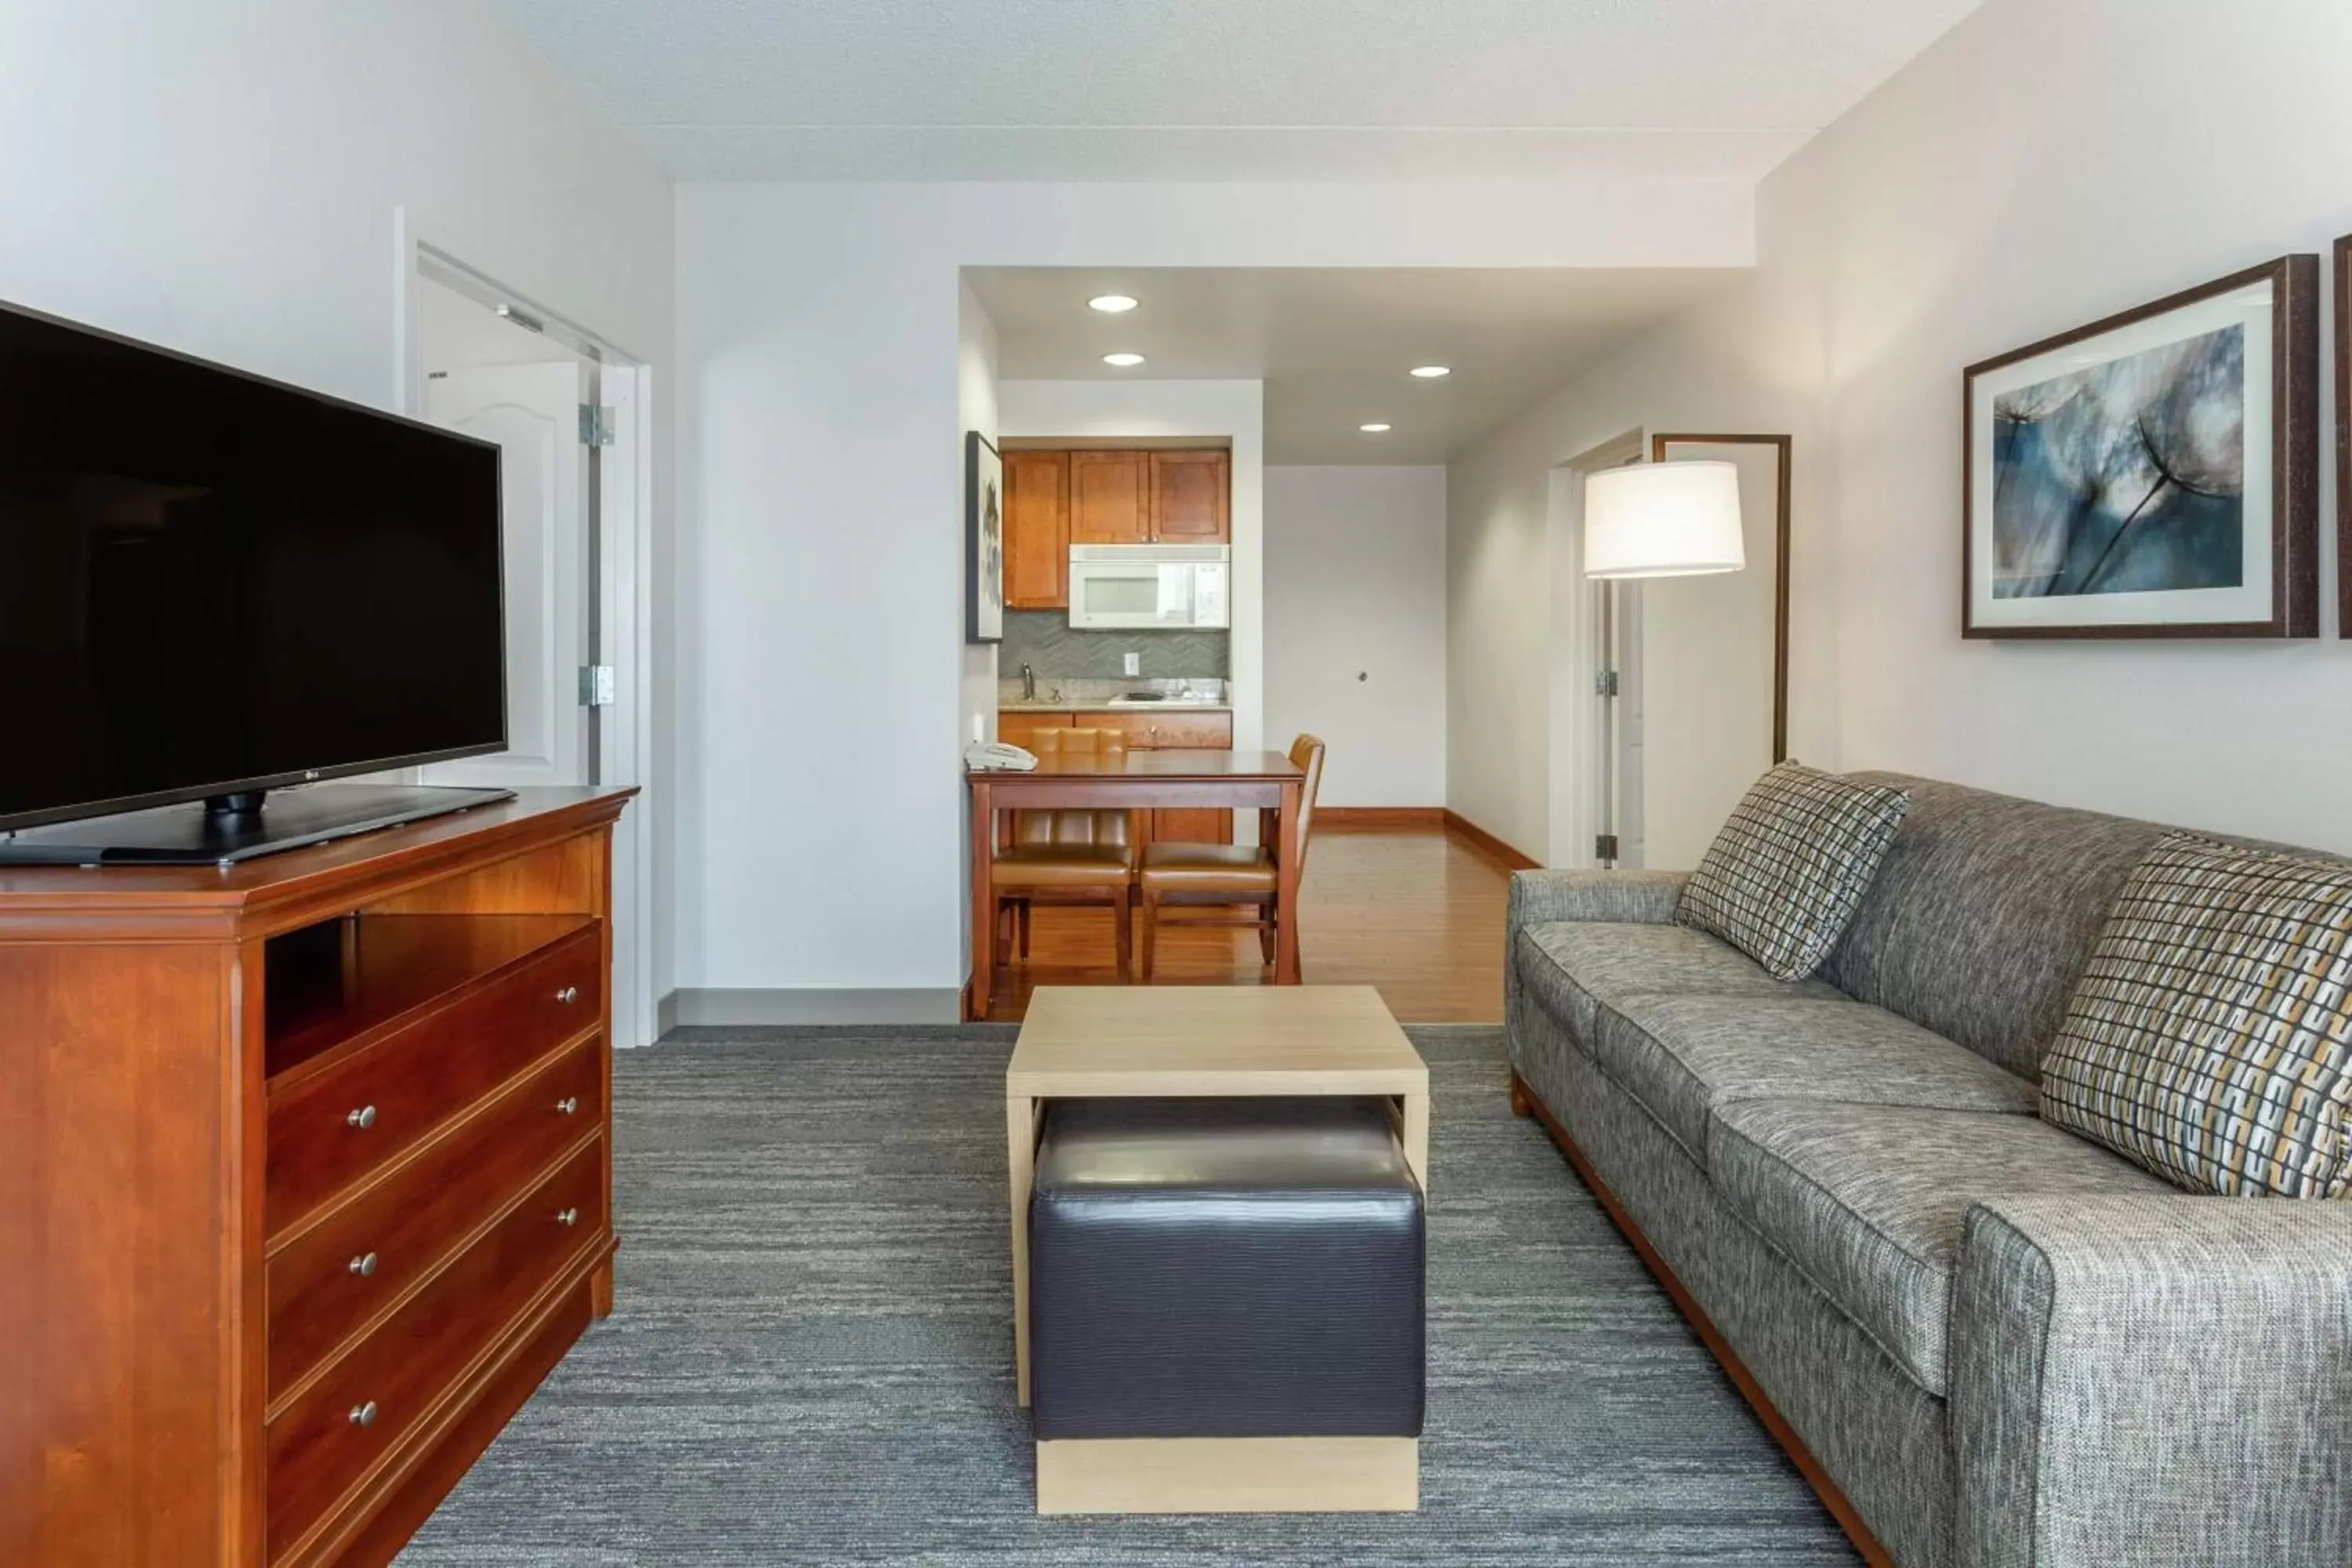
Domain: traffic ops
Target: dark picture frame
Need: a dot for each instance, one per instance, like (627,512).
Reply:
(1782,447)
(2344,437)
(983,540)
(2290,476)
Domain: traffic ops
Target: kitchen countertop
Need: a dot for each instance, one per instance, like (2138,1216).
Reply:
(1109,704)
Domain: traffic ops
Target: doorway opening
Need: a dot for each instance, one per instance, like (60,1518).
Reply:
(567,410)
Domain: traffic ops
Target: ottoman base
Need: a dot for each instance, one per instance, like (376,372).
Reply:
(1229,1474)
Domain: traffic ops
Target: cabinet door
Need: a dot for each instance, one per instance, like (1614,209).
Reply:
(1189,497)
(1037,530)
(1020,728)
(1109,499)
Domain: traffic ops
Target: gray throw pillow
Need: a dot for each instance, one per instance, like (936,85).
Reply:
(2210,1039)
(1783,878)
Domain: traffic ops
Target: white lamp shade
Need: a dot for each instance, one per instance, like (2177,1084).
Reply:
(1663,519)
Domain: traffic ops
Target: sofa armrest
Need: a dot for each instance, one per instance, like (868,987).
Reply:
(2153,1380)
(1636,897)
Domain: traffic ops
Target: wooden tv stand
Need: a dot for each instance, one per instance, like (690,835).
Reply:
(305,1182)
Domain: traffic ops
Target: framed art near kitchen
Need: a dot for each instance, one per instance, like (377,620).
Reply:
(983,547)
(2152,474)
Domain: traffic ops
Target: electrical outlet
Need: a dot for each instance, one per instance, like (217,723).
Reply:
(1135,664)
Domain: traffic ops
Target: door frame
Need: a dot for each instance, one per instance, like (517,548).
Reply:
(621,562)
(1784,445)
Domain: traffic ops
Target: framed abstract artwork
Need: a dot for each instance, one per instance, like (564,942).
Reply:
(983,548)
(2152,474)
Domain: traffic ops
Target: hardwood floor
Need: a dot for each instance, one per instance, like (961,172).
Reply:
(1416,910)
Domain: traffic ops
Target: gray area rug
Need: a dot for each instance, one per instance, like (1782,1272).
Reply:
(811,1360)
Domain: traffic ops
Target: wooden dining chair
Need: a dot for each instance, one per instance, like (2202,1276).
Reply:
(1228,877)
(1069,857)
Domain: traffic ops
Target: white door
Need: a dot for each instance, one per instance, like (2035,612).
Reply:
(533,412)
(1705,676)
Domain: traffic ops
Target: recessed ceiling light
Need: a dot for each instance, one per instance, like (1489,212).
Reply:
(1432,371)
(1373,430)
(1122,360)
(1112,304)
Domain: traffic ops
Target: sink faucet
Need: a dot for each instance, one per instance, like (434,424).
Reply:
(1028,684)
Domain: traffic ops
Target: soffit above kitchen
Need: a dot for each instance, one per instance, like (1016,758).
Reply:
(1225,90)
(1335,346)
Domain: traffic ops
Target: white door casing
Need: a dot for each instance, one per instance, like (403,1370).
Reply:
(533,412)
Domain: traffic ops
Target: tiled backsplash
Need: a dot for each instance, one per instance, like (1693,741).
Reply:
(1043,640)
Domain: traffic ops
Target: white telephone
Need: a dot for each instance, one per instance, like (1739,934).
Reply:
(996,756)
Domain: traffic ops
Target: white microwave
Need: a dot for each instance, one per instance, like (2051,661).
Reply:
(1139,586)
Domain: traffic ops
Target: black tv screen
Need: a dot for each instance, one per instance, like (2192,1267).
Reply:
(211,583)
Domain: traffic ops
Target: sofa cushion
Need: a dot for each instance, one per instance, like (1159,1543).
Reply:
(1681,1056)
(1867,1201)
(1785,874)
(1983,912)
(1574,967)
(2211,1039)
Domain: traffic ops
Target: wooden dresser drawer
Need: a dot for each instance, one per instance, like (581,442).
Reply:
(1166,731)
(332,1128)
(373,1395)
(338,1274)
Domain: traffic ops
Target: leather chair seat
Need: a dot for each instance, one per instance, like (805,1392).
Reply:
(1208,868)
(1031,866)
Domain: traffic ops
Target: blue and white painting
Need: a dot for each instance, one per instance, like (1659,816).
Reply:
(2119,479)
(2128,477)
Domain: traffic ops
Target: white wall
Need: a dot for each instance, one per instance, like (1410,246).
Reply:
(224,180)
(1090,410)
(2020,177)
(820,682)
(1355,585)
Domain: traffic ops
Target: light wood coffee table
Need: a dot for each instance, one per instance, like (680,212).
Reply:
(1099,1042)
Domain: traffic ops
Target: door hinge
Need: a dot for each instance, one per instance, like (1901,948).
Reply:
(595,425)
(1604,846)
(1604,683)
(595,686)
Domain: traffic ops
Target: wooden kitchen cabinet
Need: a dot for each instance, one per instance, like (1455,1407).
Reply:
(1175,731)
(1189,490)
(1037,530)
(1110,498)
(1020,728)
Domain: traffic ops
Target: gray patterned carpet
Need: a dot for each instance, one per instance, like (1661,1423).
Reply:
(811,1359)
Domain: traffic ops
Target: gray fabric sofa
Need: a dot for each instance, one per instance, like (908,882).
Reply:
(1989,1343)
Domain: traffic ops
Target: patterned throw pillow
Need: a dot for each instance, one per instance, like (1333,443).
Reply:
(2211,1039)
(1783,878)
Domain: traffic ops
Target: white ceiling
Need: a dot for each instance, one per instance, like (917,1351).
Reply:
(1334,345)
(1263,90)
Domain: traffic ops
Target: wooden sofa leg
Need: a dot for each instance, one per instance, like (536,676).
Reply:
(1520,1104)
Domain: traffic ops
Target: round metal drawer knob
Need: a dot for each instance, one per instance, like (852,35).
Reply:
(363,1119)
(567,1217)
(569,994)
(363,1415)
(363,1265)
(567,1105)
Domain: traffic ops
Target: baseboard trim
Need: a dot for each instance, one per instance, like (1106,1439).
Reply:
(812,1005)
(1527,1102)
(1456,822)
(1376,816)
(666,1014)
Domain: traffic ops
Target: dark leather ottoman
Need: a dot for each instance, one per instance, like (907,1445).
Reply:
(1229,1269)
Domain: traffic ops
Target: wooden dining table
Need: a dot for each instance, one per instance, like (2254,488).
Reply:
(1139,781)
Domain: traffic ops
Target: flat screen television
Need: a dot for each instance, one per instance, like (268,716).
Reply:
(213,585)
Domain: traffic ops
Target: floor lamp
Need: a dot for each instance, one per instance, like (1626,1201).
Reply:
(1651,519)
